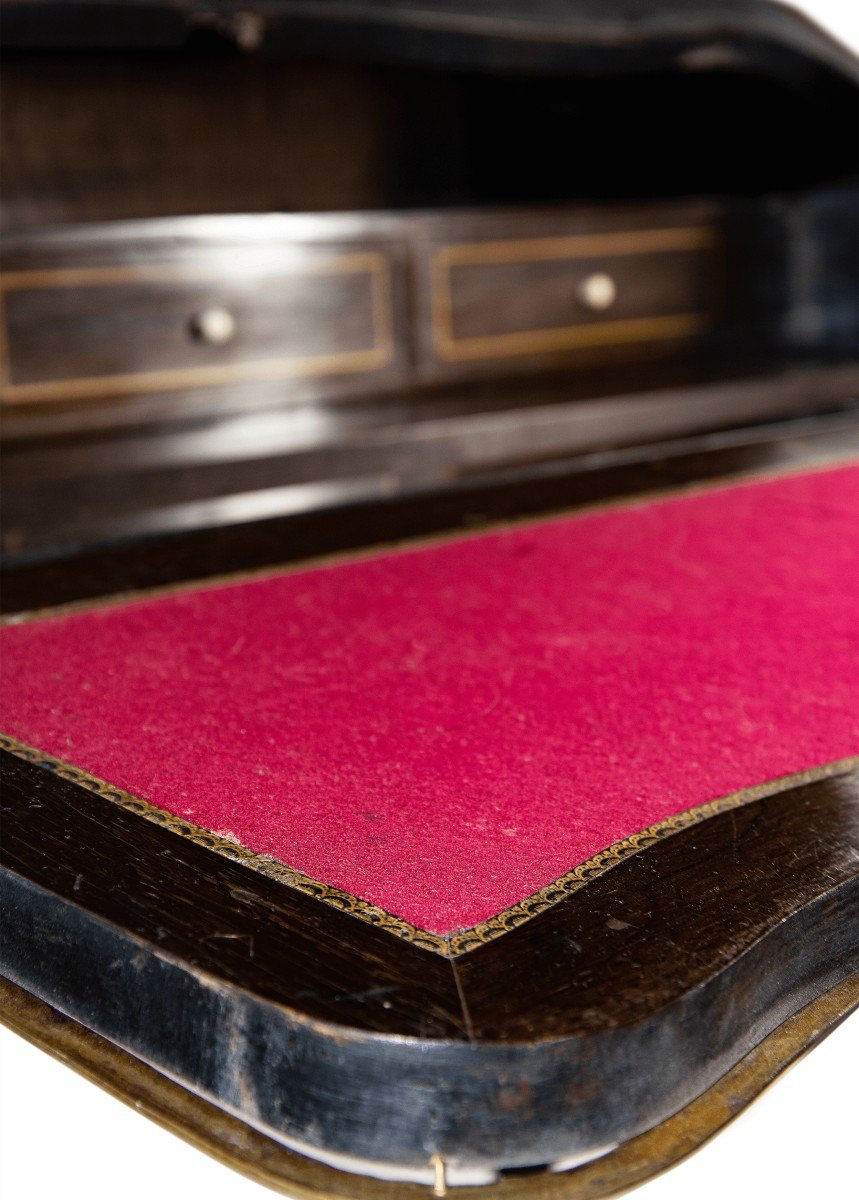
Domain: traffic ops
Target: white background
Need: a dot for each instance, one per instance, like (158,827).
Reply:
(61,1136)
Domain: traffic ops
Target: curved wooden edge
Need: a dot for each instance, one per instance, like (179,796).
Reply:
(243,1149)
(461,941)
(577,968)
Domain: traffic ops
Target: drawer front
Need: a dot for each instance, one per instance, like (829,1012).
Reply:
(175,318)
(115,330)
(543,296)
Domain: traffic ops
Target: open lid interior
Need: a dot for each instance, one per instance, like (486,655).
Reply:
(427,127)
(143,110)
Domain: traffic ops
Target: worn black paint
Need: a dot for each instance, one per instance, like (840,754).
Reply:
(585,1026)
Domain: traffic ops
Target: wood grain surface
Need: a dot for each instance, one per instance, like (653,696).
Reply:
(482,168)
(579,1028)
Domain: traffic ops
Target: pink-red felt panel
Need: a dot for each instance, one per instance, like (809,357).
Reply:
(444,730)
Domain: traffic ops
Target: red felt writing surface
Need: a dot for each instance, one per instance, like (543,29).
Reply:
(444,730)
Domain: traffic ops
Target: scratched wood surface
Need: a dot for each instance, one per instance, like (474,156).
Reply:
(681,957)
(603,1014)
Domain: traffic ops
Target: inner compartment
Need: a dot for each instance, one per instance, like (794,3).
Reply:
(100,136)
(754,141)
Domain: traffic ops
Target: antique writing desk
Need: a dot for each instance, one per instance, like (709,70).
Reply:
(430,573)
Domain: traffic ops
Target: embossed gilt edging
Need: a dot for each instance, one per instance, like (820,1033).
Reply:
(450,945)
(262,863)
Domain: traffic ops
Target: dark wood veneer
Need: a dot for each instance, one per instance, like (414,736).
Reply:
(518,489)
(632,941)
(667,919)
(220,917)
(588,1024)
(460,382)
(377,356)
(244,1149)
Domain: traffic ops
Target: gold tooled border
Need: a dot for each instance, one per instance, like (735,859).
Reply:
(367,359)
(448,945)
(236,1145)
(264,864)
(598,864)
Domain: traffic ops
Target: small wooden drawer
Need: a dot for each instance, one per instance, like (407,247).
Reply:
(551,295)
(224,315)
(343,305)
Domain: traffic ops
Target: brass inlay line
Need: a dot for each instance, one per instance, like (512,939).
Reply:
(571,337)
(579,245)
(451,348)
(175,272)
(361,361)
(448,945)
(4,346)
(358,361)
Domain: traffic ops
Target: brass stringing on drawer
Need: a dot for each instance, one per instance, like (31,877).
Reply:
(540,295)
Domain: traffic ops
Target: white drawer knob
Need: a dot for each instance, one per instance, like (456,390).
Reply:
(214,325)
(598,291)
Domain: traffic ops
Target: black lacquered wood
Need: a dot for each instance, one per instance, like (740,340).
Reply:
(586,1024)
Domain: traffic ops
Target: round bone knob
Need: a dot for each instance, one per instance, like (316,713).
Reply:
(214,325)
(598,292)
